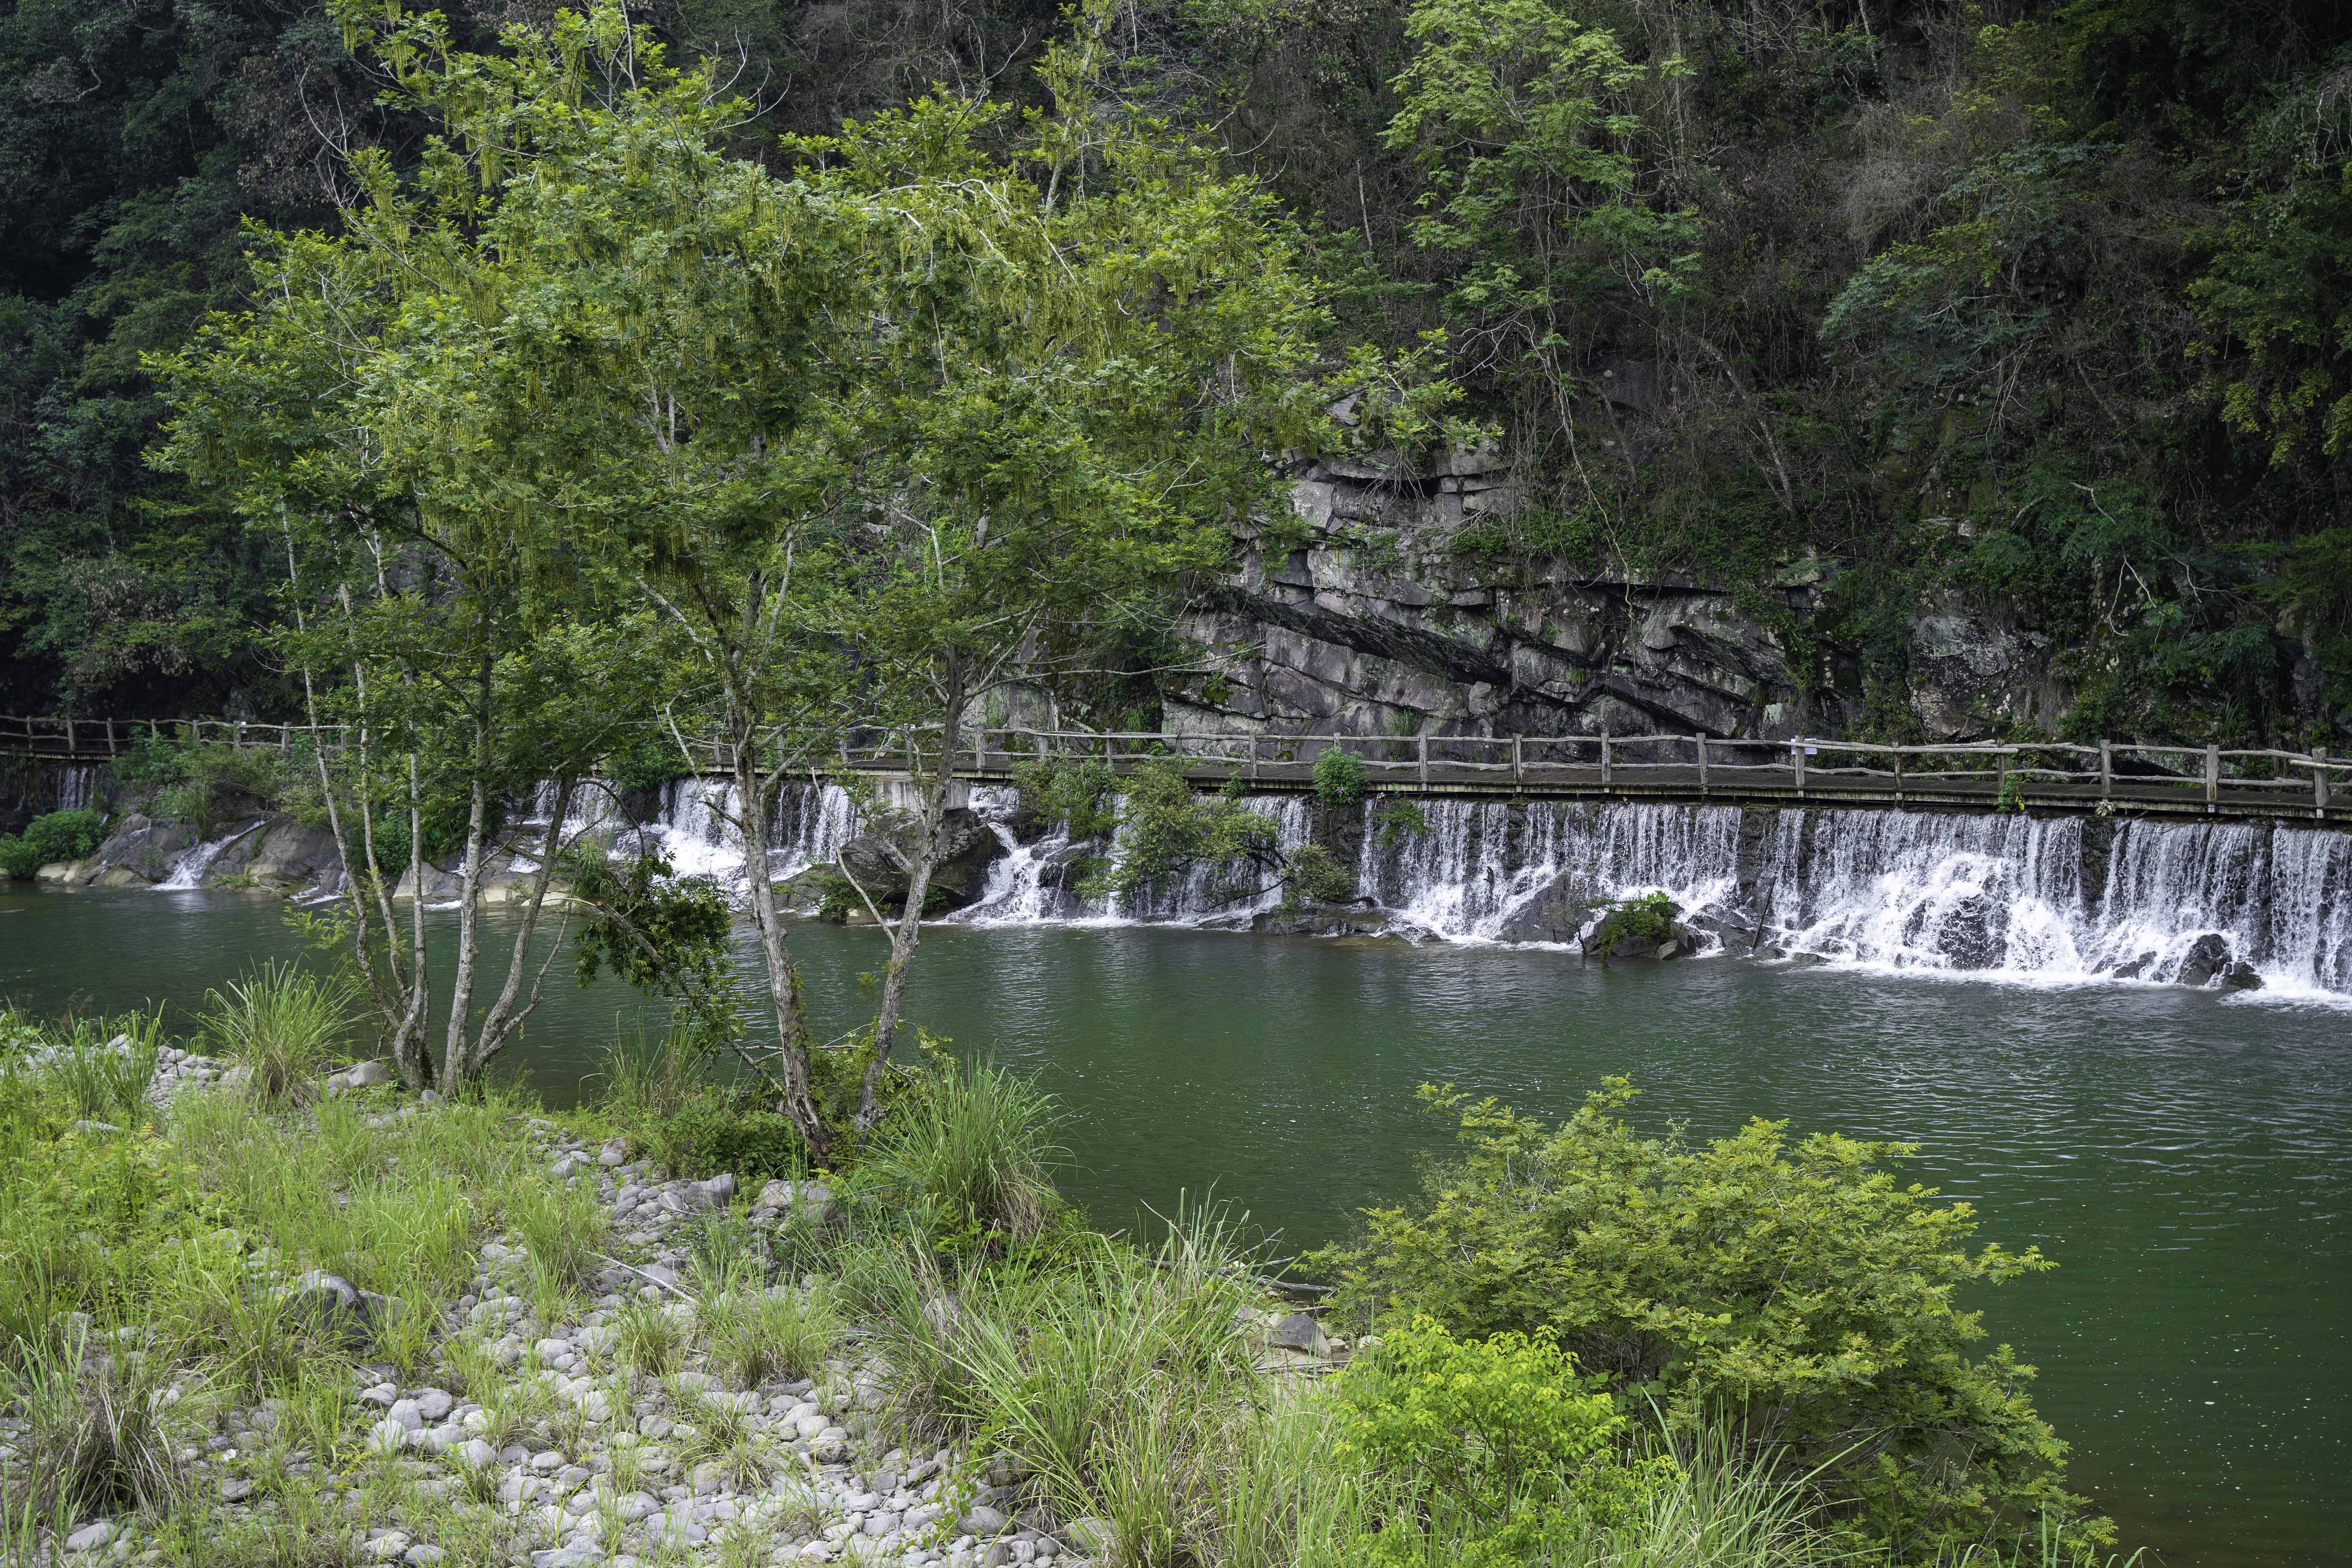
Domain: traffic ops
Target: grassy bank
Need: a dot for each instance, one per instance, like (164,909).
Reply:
(246,1320)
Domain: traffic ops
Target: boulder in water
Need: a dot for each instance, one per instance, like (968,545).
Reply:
(1973,933)
(2241,977)
(2205,961)
(1637,928)
(1556,914)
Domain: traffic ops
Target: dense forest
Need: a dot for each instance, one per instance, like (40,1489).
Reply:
(2042,310)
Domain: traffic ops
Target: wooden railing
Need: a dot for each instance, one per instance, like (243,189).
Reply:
(2207,779)
(96,740)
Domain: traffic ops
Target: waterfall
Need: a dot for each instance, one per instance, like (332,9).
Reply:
(1017,892)
(77,785)
(1476,864)
(188,870)
(2056,900)
(695,826)
(1902,889)
(1025,885)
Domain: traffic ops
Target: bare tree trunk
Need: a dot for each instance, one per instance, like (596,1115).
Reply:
(794,1041)
(909,933)
(503,1020)
(470,885)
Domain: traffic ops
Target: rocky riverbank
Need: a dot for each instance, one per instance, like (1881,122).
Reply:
(610,1422)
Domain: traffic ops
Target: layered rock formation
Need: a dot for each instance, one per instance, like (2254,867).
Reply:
(1381,611)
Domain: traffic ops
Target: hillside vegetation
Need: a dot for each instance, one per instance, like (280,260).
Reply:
(2034,311)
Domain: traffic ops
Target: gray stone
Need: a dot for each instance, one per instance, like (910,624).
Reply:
(616,1152)
(981,1520)
(423,1556)
(2204,962)
(1301,1332)
(477,1455)
(360,1074)
(387,1437)
(2241,977)
(91,1537)
(433,1404)
(716,1192)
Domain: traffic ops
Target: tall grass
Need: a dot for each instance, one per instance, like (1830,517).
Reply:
(974,1146)
(282,1025)
(105,1067)
(652,1076)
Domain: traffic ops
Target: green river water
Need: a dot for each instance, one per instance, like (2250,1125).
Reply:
(2186,1160)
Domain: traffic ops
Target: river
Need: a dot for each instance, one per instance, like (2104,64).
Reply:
(2186,1156)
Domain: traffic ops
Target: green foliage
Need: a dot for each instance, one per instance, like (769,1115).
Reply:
(1076,794)
(1640,923)
(1166,831)
(1502,1454)
(1338,777)
(55,835)
(1397,820)
(716,1131)
(663,933)
(1798,1286)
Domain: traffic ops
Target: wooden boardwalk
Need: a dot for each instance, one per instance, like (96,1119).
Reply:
(2110,776)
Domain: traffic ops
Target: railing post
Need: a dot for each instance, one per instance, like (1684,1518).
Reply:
(69,743)
(2213,777)
(110,737)
(2000,772)
(2106,770)
(1898,775)
(1606,775)
(1701,740)
(2319,781)
(1518,765)
(1421,747)
(1797,762)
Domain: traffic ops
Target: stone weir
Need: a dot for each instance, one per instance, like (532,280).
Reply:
(2029,897)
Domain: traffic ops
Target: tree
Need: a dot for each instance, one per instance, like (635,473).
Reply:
(1079,388)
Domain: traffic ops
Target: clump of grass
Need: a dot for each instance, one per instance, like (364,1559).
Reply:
(561,1226)
(651,1076)
(647,1337)
(282,1025)
(719,1431)
(97,1434)
(105,1067)
(973,1143)
(787,1331)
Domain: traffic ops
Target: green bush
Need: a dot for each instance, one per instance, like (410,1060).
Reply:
(1801,1288)
(715,1131)
(1636,924)
(57,836)
(1338,777)
(1499,1452)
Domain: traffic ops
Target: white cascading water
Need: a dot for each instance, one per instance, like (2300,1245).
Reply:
(1902,889)
(77,785)
(2007,896)
(1017,892)
(1022,886)
(188,870)
(1464,876)
(694,827)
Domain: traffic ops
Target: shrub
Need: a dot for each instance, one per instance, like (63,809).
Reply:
(1800,1287)
(716,1132)
(282,1025)
(1338,777)
(57,836)
(1638,925)
(1499,1452)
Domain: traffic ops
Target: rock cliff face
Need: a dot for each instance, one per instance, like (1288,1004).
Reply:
(1380,621)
